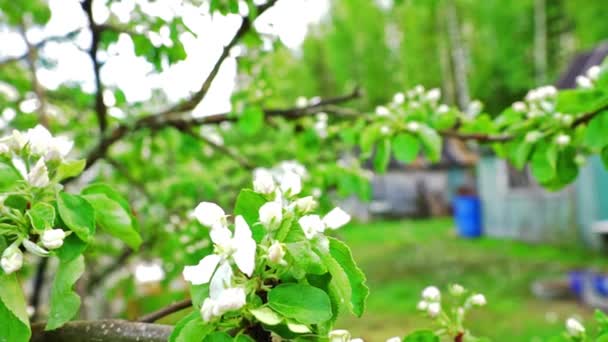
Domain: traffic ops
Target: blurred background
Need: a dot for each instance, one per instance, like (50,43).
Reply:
(471,218)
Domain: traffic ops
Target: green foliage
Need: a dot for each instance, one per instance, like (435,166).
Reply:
(77,214)
(303,303)
(114,219)
(64,301)
(421,336)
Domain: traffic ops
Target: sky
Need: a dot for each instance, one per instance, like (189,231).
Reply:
(289,19)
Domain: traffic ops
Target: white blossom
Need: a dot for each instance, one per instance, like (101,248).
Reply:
(42,143)
(419,89)
(394,339)
(322,116)
(456,290)
(12,259)
(276,253)
(431,294)
(443,108)
(433,95)
(301,102)
(583,82)
(413,126)
(4,148)
(52,238)
(567,120)
(271,214)
(562,139)
(230,299)
(519,107)
(311,225)
(422,305)
(382,111)
(357,340)
(574,327)
(399,98)
(478,300)
(240,247)
(263,181)
(38,176)
(533,136)
(305,204)
(210,215)
(474,108)
(434,309)
(385,130)
(336,218)
(339,335)
(320,128)
(594,72)
(291,183)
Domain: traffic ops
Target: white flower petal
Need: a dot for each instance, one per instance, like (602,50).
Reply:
(311,225)
(245,245)
(222,279)
(221,236)
(336,218)
(39,175)
(209,214)
(201,273)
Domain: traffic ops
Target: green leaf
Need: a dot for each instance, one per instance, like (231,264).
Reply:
(69,169)
(190,329)
(298,328)
(218,336)
(42,216)
(248,205)
(114,220)
(521,154)
(432,143)
(64,301)
(266,315)
(199,293)
(596,136)
(303,303)
(368,137)
(251,120)
(605,157)
(356,278)
(421,336)
(8,177)
(406,147)
(77,214)
(304,257)
(104,189)
(14,320)
(544,160)
(382,156)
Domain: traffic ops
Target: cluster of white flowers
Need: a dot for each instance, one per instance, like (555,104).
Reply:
(216,269)
(539,102)
(590,78)
(35,143)
(575,328)
(280,186)
(431,300)
(12,257)
(342,335)
(314,225)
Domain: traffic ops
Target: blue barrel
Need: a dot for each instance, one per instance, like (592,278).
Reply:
(576,280)
(467,213)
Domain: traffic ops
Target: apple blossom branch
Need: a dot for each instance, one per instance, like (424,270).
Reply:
(166,311)
(111,330)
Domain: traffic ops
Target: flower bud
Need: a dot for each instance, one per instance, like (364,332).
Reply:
(291,183)
(271,214)
(594,72)
(52,238)
(12,259)
(339,335)
(431,294)
(567,120)
(478,300)
(399,98)
(443,108)
(433,95)
(533,136)
(456,290)
(38,176)
(301,102)
(35,249)
(562,139)
(305,204)
(276,253)
(385,130)
(413,126)
(583,82)
(4,148)
(382,111)
(434,309)
(575,328)
(263,182)
(519,107)
(422,305)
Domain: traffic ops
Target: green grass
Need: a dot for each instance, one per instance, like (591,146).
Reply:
(401,258)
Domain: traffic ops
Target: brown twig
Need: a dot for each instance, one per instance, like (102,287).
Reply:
(39,46)
(166,311)
(246,164)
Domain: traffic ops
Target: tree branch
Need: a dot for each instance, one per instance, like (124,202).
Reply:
(39,46)
(103,331)
(222,149)
(101,109)
(166,311)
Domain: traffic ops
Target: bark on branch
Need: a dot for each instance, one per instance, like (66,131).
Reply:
(103,331)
